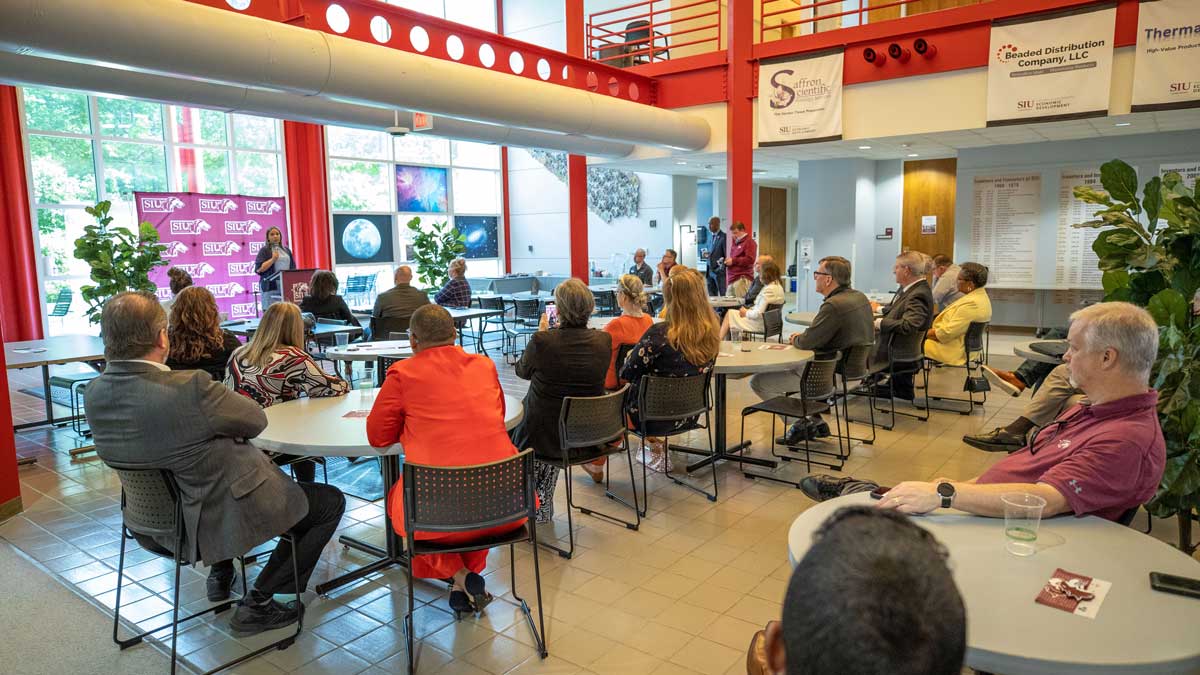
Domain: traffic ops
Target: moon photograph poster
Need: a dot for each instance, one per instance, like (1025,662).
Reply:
(361,239)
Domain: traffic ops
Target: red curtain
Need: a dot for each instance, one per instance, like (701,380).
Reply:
(308,194)
(20,298)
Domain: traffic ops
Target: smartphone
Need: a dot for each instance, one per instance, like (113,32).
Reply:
(879,492)
(552,315)
(1169,583)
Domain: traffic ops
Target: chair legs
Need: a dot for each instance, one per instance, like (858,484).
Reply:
(840,455)
(970,400)
(637,514)
(708,434)
(891,410)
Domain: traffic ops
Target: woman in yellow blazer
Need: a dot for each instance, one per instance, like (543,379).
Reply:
(944,341)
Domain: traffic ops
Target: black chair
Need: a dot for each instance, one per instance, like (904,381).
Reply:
(904,356)
(606,303)
(637,39)
(623,356)
(975,351)
(385,325)
(681,400)
(772,324)
(657,302)
(852,370)
(398,335)
(465,498)
(151,506)
(382,363)
(524,322)
(493,324)
(816,396)
(587,424)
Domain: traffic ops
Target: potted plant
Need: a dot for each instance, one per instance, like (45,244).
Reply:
(434,247)
(1156,264)
(120,260)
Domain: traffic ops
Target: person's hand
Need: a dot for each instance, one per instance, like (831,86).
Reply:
(274,254)
(913,497)
(728,261)
(742,311)
(544,322)
(931,334)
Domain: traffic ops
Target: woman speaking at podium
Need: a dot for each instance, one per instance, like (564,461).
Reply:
(271,260)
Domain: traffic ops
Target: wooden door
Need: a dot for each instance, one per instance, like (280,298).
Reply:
(929,191)
(772,223)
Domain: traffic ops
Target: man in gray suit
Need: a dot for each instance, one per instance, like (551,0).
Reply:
(842,322)
(907,317)
(394,307)
(717,250)
(145,416)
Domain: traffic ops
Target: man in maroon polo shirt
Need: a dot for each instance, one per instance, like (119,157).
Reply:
(1102,458)
(739,266)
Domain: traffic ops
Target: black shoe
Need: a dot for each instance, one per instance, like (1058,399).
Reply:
(460,603)
(820,487)
(996,440)
(887,391)
(820,429)
(252,619)
(220,583)
(795,434)
(480,598)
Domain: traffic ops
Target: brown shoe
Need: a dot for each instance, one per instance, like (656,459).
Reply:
(1006,380)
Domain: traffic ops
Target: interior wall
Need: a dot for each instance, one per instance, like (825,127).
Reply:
(623,236)
(929,191)
(686,213)
(538,216)
(835,206)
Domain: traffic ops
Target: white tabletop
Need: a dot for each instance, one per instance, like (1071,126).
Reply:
(724,301)
(800,318)
(1138,630)
(369,351)
(317,427)
(1024,351)
(59,349)
(762,357)
(466,313)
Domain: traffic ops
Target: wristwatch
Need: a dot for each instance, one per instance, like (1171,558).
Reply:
(946,492)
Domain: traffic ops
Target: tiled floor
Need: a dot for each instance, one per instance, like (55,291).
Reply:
(683,594)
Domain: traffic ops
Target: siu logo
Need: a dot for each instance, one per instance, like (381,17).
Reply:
(221,205)
(240,269)
(241,310)
(197,270)
(174,249)
(229,290)
(262,208)
(256,246)
(225,248)
(242,227)
(192,227)
(161,204)
(163,293)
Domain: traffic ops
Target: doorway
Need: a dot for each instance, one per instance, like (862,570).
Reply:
(928,224)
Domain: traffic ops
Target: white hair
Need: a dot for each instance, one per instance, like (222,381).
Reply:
(914,261)
(1124,327)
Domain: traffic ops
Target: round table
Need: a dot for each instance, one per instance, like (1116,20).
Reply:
(1024,351)
(369,351)
(800,318)
(1138,630)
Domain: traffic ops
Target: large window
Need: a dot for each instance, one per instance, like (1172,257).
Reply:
(476,13)
(87,148)
(362,179)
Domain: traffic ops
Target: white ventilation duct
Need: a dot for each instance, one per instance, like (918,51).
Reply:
(35,71)
(183,39)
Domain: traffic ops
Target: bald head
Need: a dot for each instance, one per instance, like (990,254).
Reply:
(403,275)
(134,326)
(431,326)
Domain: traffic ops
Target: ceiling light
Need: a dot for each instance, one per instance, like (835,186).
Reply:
(1124,124)
(681,163)
(913,154)
(864,147)
(758,171)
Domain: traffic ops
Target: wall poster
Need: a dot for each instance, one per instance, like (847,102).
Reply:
(1005,211)
(1078,266)
(1168,49)
(800,100)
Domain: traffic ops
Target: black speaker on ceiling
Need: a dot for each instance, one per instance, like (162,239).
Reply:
(873,57)
(922,47)
(901,54)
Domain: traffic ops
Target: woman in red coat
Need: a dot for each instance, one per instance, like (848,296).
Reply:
(446,408)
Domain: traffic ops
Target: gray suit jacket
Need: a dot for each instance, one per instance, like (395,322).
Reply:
(908,317)
(234,498)
(843,321)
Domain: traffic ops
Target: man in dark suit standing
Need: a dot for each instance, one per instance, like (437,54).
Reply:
(907,317)
(715,276)
(144,416)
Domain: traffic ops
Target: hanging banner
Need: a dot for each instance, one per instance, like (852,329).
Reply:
(1168,49)
(1052,68)
(214,238)
(800,100)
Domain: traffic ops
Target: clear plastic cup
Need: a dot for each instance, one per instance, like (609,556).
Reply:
(342,339)
(1022,517)
(735,335)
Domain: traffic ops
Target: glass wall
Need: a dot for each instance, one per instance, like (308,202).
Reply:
(479,14)
(364,179)
(82,149)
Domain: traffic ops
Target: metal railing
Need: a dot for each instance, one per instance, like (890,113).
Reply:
(653,30)
(781,19)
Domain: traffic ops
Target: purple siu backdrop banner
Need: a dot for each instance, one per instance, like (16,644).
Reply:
(214,238)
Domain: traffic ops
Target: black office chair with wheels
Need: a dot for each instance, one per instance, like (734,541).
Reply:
(152,506)
(681,400)
(586,425)
(464,498)
(975,353)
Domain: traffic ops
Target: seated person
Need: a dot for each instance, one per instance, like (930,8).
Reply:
(665,265)
(1099,458)
(273,367)
(323,301)
(945,281)
(771,296)
(411,409)
(1029,375)
(684,344)
(625,330)
(1056,395)
(570,360)
(640,269)
(179,280)
(908,316)
(457,291)
(146,416)
(756,286)
(945,339)
(843,321)
(396,305)
(872,595)
(197,340)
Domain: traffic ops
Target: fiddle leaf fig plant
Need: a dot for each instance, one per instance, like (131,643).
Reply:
(1149,250)
(120,260)
(435,246)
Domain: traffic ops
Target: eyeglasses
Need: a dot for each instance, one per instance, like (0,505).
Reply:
(822,274)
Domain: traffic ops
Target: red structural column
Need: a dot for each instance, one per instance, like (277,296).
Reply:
(20,298)
(507,223)
(739,112)
(308,194)
(577,164)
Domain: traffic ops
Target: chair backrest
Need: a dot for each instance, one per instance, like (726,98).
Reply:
(623,355)
(398,335)
(356,283)
(856,361)
(491,303)
(149,501)
(463,498)
(973,341)
(62,303)
(637,30)
(527,308)
(385,325)
(606,301)
(672,398)
(816,384)
(382,363)
(588,421)
(1126,518)
(772,322)
(906,348)
(332,322)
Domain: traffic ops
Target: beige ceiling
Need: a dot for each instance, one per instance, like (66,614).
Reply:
(778,164)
